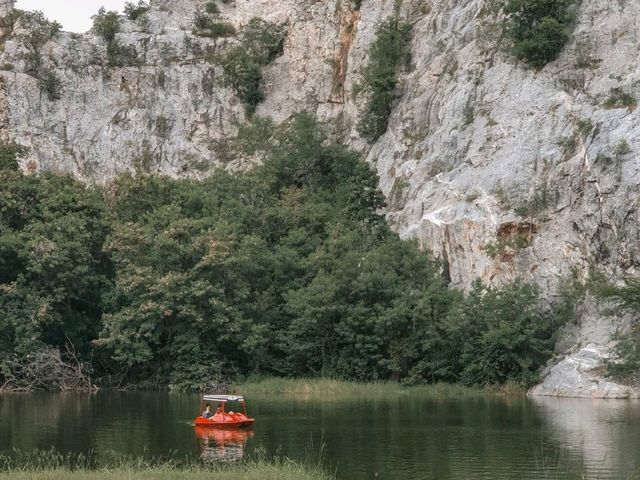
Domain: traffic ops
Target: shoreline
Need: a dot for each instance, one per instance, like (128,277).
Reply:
(326,387)
(321,388)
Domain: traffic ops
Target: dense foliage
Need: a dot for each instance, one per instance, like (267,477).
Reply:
(390,50)
(539,29)
(287,270)
(10,153)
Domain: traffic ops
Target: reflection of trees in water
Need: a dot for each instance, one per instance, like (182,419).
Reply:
(135,423)
(221,445)
(42,420)
(603,433)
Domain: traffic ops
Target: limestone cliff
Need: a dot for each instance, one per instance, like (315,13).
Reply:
(500,170)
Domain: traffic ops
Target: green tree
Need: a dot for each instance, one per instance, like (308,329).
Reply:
(10,153)
(52,269)
(106,24)
(390,49)
(625,363)
(261,42)
(539,29)
(134,11)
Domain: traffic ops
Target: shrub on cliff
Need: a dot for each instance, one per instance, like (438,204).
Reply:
(39,32)
(389,50)
(539,29)
(134,11)
(207,26)
(119,55)
(51,85)
(624,365)
(261,42)
(106,24)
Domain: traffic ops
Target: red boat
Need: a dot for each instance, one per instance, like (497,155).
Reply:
(223,418)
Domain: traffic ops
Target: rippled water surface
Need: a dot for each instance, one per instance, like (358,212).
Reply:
(406,437)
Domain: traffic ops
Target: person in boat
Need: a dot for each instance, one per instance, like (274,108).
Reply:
(207,412)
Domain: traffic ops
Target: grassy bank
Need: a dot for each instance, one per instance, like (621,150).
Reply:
(257,471)
(51,465)
(323,388)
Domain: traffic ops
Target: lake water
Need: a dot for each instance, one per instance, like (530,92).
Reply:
(401,438)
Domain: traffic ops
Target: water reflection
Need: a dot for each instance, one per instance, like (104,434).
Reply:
(222,445)
(406,437)
(600,431)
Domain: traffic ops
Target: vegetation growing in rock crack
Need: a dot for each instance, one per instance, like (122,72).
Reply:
(119,55)
(107,25)
(539,29)
(51,85)
(208,25)
(390,50)
(261,42)
(618,98)
(288,269)
(39,32)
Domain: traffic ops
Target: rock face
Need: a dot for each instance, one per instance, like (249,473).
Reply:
(501,171)
(576,371)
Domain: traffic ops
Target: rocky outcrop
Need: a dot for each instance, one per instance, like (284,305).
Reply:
(577,369)
(501,171)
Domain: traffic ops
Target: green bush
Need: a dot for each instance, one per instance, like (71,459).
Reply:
(9,155)
(243,74)
(389,50)
(539,29)
(618,98)
(211,8)
(206,26)
(106,24)
(39,32)
(119,55)
(624,365)
(134,11)
(506,246)
(490,337)
(51,85)
(261,42)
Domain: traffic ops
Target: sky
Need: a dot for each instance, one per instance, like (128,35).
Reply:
(74,15)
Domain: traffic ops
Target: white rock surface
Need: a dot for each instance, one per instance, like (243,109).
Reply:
(469,121)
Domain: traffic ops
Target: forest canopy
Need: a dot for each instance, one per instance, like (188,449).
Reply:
(288,269)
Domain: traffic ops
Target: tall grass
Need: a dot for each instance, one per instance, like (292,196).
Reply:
(52,465)
(328,388)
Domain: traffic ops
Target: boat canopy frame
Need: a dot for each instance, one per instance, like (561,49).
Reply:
(223,398)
